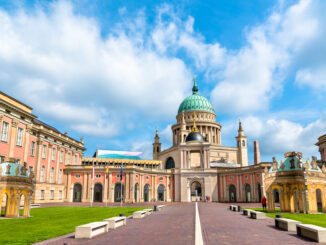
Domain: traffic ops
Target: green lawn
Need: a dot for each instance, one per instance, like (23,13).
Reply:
(315,219)
(51,222)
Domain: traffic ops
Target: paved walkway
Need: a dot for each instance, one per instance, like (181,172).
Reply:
(175,224)
(222,226)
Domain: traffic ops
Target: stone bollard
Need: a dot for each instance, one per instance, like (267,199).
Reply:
(122,215)
(239,209)
(155,208)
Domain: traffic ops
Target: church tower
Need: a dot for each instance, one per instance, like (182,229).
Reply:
(242,147)
(156,146)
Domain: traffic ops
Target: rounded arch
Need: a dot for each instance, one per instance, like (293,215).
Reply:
(161,193)
(146,192)
(77,192)
(248,192)
(118,192)
(259,191)
(136,193)
(22,205)
(276,194)
(232,193)
(196,190)
(4,204)
(319,201)
(98,190)
(169,163)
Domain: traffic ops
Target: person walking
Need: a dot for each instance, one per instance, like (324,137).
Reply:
(263,202)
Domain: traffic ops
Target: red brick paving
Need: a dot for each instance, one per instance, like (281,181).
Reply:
(222,226)
(175,224)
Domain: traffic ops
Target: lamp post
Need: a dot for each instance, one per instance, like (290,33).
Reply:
(303,167)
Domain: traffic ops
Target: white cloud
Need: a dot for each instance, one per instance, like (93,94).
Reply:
(255,73)
(58,62)
(315,78)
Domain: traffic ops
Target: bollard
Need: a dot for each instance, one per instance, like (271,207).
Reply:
(278,216)
(122,215)
(155,208)
(239,209)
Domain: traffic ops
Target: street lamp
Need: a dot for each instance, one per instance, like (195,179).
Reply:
(303,167)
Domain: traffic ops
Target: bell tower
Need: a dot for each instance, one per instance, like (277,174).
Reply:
(242,147)
(156,146)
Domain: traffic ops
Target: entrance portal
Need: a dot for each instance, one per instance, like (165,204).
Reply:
(196,194)
(98,193)
(232,193)
(146,193)
(248,192)
(77,193)
(118,192)
(160,193)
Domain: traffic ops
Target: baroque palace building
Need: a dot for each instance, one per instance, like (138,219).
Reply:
(196,167)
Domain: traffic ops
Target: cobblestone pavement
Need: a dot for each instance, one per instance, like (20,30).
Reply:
(175,224)
(222,226)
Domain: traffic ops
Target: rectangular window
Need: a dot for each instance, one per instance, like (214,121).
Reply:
(4,131)
(60,195)
(60,176)
(53,153)
(75,159)
(42,173)
(69,157)
(51,175)
(44,152)
(61,156)
(20,134)
(32,148)
(52,194)
(42,195)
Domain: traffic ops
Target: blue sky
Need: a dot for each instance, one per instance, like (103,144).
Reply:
(111,71)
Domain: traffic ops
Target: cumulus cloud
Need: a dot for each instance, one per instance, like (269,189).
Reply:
(58,62)
(256,72)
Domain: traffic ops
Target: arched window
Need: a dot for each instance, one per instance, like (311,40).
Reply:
(232,193)
(160,193)
(146,193)
(243,143)
(98,193)
(42,173)
(60,176)
(248,192)
(51,175)
(77,193)
(169,163)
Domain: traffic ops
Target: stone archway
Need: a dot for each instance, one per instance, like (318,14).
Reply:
(77,192)
(136,192)
(98,192)
(4,204)
(118,192)
(259,192)
(196,191)
(232,193)
(319,201)
(248,192)
(161,193)
(146,193)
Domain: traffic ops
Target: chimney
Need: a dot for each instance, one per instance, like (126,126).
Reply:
(256,152)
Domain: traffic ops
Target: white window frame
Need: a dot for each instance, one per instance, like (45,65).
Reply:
(60,176)
(4,131)
(51,174)
(32,150)
(42,195)
(60,195)
(42,173)
(69,158)
(54,151)
(44,151)
(61,156)
(20,134)
(76,159)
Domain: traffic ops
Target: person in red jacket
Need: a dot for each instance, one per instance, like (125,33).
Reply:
(263,202)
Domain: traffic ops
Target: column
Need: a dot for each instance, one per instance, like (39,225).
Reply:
(89,191)
(225,187)
(238,187)
(58,152)
(132,186)
(85,187)
(168,197)
(105,188)
(111,188)
(28,132)
(68,188)
(38,159)
(240,198)
(211,135)
(47,179)
(13,137)
(127,189)
(141,188)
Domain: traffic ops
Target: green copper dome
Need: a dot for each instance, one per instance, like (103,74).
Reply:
(196,102)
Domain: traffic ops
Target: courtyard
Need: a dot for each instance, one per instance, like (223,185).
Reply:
(176,222)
